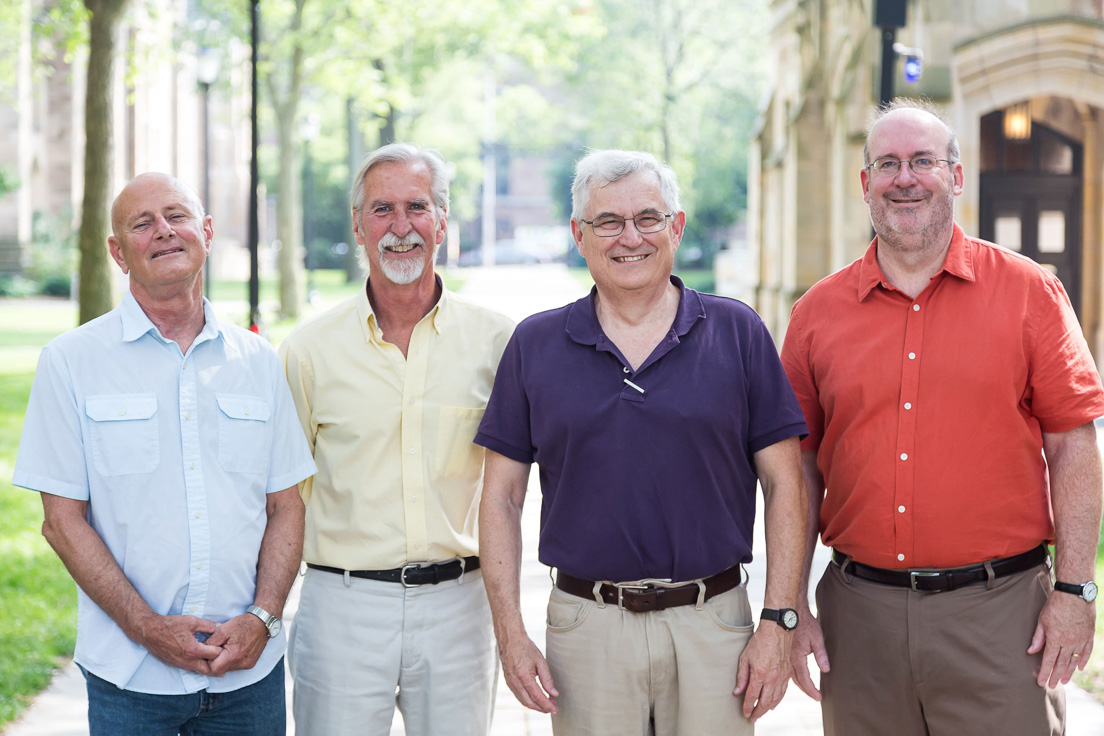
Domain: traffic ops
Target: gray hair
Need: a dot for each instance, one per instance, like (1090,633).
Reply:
(599,168)
(912,103)
(405,152)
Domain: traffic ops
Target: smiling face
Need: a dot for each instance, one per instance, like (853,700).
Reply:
(911,211)
(398,225)
(160,237)
(629,261)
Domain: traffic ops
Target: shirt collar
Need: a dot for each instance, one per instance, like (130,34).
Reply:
(438,315)
(959,262)
(582,318)
(136,323)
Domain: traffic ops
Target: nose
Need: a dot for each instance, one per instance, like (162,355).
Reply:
(401,225)
(906,166)
(630,235)
(162,227)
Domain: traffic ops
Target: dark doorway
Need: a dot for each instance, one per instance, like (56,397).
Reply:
(1031,198)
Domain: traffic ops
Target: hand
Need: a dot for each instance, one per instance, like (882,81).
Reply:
(764,670)
(808,639)
(241,639)
(527,673)
(1064,635)
(172,639)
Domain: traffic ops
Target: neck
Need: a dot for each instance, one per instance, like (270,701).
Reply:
(399,307)
(910,266)
(638,307)
(176,313)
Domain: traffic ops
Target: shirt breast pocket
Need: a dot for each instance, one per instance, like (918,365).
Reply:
(124,433)
(243,433)
(457,454)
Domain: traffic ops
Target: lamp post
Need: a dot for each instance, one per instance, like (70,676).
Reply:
(889,15)
(254,175)
(309,128)
(208,62)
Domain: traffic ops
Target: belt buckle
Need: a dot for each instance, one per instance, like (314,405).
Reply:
(914,574)
(402,575)
(632,587)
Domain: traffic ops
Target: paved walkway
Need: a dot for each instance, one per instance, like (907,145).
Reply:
(518,292)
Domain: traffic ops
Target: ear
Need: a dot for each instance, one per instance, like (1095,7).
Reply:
(577,235)
(864,179)
(442,229)
(117,253)
(957,179)
(678,226)
(208,233)
(357,234)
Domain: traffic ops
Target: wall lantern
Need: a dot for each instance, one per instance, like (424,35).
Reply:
(1017,121)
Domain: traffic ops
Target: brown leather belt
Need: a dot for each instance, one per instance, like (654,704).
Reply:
(642,598)
(938,581)
(412,575)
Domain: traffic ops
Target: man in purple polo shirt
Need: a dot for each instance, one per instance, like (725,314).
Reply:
(652,410)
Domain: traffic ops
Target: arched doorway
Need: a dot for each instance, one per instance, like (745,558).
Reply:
(1030,197)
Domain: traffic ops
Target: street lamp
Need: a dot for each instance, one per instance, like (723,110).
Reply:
(208,62)
(309,128)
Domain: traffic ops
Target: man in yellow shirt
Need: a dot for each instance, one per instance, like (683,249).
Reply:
(390,387)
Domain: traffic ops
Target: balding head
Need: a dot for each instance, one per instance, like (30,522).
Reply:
(908,110)
(123,206)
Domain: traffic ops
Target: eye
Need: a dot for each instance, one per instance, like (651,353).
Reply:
(608,223)
(924,162)
(381,209)
(140,227)
(647,220)
(887,165)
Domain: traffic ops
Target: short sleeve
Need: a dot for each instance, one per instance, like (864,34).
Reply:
(505,427)
(795,361)
(52,456)
(291,456)
(1065,385)
(773,411)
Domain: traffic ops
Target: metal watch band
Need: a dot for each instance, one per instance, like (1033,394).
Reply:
(271,622)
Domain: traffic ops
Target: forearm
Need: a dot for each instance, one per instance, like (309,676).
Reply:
(785,516)
(1073,460)
(281,550)
(92,565)
(813,483)
(500,560)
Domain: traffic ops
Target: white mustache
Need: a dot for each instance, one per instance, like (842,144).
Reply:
(390,240)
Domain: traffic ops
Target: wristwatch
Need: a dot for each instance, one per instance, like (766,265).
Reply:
(784,617)
(271,623)
(1086,591)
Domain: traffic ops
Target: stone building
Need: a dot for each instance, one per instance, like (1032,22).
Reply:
(158,126)
(1023,84)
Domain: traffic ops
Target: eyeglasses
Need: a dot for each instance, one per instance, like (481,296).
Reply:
(919,165)
(609,226)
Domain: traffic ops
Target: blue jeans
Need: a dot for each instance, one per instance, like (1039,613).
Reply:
(256,710)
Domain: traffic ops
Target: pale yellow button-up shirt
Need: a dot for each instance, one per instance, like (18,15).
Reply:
(399,477)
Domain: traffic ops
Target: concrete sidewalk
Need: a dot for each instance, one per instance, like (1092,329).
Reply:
(518,292)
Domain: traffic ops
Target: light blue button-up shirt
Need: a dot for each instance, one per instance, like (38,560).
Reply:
(175,455)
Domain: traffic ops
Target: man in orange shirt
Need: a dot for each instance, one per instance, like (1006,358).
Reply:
(935,374)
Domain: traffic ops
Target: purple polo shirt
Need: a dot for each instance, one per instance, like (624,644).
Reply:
(637,485)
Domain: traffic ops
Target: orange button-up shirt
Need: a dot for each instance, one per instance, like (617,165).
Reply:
(927,414)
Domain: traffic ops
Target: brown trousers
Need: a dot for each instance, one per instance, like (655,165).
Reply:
(935,664)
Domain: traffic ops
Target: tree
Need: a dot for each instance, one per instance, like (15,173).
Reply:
(95,271)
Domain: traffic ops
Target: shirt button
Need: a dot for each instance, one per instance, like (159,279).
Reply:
(199,514)
(187,415)
(199,565)
(908,405)
(916,307)
(122,412)
(411,450)
(414,499)
(247,412)
(912,356)
(900,509)
(904,456)
(191,609)
(410,401)
(625,369)
(900,558)
(191,466)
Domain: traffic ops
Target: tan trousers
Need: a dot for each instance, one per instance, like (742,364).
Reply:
(663,673)
(354,644)
(935,664)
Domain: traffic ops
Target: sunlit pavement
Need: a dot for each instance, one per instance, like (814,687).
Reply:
(519,291)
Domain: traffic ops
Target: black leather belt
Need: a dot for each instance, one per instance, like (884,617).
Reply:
(937,581)
(411,575)
(642,598)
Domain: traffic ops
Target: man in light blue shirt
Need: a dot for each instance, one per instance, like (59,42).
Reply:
(167,452)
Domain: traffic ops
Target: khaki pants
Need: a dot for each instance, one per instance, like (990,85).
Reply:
(663,673)
(935,664)
(352,645)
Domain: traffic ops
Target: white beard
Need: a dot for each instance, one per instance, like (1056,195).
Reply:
(405,271)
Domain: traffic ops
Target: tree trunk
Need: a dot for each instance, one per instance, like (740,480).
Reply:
(95,267)
(289,214)
(353,272)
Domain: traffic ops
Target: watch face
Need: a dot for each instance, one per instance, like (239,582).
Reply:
(1089,592)
(274,629)
(789,619)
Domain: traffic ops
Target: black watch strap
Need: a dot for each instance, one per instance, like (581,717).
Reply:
(1085,591)
(784,617)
